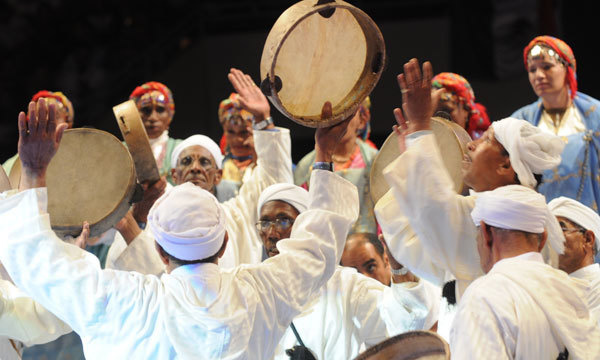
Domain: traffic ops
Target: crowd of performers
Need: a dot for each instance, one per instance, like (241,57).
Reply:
(236,253)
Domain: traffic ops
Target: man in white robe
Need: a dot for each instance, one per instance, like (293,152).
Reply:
(24,322)
(581,227)
(135,251)
(522,308)
(425,222)
(196,310)
(351,311)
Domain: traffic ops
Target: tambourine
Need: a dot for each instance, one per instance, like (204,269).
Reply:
(452,141)
(90,178)
(136,138)
(320,51)
(412,345)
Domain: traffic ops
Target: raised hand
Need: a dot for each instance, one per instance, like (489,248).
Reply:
(418,101)
(39,138)
(328,138)
(151,193)
(251,98)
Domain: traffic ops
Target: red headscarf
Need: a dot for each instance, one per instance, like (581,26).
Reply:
(154,86)
(565,53)
(57,95)
(459,86)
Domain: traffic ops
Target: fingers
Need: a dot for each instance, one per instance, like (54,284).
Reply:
(412,73)
(42,116)
(51,125)
(427,74)
(31,117)
(22,121)
(400,118)
(326,111)
(402,83)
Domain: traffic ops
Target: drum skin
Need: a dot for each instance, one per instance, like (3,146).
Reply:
(90,178)
(135,136)
(452,141)
(320,51)
(411,345)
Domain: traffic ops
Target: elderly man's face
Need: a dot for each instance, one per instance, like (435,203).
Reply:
(197,165)
(275,223)
(156,116)
(485,166)
(237,132)
(360,254)
(579,246)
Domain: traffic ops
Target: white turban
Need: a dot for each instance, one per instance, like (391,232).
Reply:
(577,213)
(201,140)
(188,222)
(515,207)
(290,193)
(530,149)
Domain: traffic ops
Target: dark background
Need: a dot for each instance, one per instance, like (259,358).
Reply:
(96,52)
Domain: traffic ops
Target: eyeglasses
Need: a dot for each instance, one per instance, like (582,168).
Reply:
(281,224)
(567,230)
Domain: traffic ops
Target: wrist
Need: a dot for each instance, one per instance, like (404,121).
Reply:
(266,123)
(32,178)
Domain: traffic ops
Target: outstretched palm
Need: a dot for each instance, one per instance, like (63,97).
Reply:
(251,98)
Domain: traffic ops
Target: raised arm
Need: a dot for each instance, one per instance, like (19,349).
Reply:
(61,277)
(422,187)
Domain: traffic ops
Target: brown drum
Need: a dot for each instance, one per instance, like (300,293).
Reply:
(135,136)
(412,345)
(4,182)
(91,178)
(320,51)
(452,141)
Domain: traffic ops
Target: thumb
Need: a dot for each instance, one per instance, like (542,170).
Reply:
(435,97)
(60,129)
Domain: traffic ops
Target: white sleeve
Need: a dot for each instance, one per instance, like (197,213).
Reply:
(65,279)
(403,243)
(23,319)
(426,295)
(309,257)
(274,165)
(140,255)
(439,216)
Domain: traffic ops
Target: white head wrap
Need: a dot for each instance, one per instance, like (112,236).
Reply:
(530,149)
(290,193)
(577,213)
(515,207)
(201,140)
(188,222)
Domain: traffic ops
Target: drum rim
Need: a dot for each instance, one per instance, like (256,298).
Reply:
(274,96)
(407,335)
(392,137)
(121,208)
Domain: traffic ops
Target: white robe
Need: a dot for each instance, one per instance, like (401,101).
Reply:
(354,311)
(195,312)
(524,309)
(426,224)
(274,165)
(24,320)
(591,274)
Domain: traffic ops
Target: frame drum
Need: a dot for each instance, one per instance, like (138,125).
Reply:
(452,141)
(4,182)
(90,178)
(135,136)
(412,345)
(320,51)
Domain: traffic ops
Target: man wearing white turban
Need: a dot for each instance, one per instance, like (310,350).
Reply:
(522,308)
(196,310)
(198,160)
(426,224)
(351,310)
(581,227)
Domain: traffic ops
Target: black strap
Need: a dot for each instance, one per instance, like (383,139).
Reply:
(563,355)
(449,292)
(296,334)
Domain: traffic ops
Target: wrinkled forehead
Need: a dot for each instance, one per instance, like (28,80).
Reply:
(544,53)
(197,152)
(152,98)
